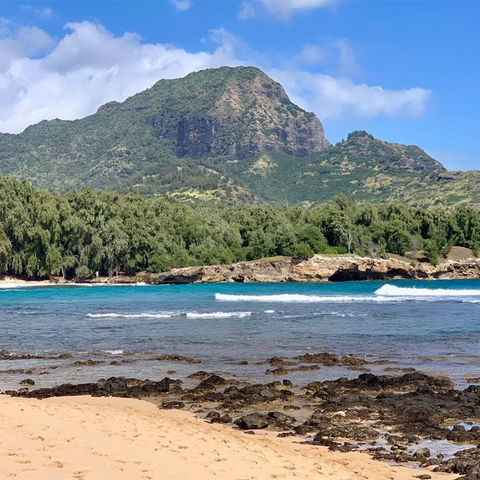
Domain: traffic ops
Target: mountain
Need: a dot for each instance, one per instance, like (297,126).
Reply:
(365,169)
(150,138)
(225,133)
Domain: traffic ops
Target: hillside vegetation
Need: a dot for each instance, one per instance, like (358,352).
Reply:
(79,232)
(156,140)
(228,134)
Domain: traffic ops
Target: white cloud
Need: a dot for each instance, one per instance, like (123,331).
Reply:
(20,42)
(285,8)
(331,97)
(310,55)
(346,58)
(44,12)
(247,10)
(69,79)
(335,54)
(182,4)
(76,77)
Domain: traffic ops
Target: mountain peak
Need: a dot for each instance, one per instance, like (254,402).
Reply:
(230,132)
(228,111)
(360,134)
(363,146)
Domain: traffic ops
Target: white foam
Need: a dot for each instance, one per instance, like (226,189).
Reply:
(114,352)
(220,315)
(394,291)
(344,314)
(296,298)
(132,315)
(171,315)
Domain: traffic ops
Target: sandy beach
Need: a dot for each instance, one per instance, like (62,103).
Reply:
(14,282)
(105,438)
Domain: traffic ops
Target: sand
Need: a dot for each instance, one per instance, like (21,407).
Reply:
(120,439)
(12,282)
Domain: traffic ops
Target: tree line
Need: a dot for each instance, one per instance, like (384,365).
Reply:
(81,232)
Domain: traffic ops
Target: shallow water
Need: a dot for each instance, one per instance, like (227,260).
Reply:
(433,326)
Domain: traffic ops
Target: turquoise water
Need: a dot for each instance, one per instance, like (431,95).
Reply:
(433,326)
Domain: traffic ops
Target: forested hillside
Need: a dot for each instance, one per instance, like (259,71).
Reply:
(156,140)
(80,232)
(227,134)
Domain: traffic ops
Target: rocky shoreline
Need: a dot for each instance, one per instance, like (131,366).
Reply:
(320,268)
(410,419)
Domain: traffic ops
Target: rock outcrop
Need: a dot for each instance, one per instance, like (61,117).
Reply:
(320,268)
(249,115)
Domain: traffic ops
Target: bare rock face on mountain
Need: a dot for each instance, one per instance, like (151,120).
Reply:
(250,114)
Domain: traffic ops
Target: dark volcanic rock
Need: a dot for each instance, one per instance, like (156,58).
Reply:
(235,397)
(330,359)
(213,414)
(177,358)
(253,421)
(281,421)
(277,362)
(352,431)
(88,363)
(277,371)
(216,380)
(412,407)
(112,387)
(368,382)
(204,386)
(173,405)
(200,375)
(465,463)
(27,381)
(222,419)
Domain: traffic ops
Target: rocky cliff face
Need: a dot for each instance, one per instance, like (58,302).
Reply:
(320,268)
(235,111)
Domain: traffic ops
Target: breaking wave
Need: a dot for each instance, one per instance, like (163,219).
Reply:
(132,315)
(394,291)
(385,294)
(220,315)
(171,315)
(295,298)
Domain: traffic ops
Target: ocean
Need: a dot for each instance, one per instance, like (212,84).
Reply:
(433,326)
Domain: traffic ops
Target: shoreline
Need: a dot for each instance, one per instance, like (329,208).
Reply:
(404,417)
(318,269)
(97,438)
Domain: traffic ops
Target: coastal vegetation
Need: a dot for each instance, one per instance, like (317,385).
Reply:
(82,232)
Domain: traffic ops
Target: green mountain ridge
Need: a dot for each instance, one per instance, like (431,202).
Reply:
(227,133)
(367,169)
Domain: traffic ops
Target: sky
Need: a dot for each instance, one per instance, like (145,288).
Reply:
(405,71)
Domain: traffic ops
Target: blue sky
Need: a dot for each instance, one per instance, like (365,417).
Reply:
(406,71)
